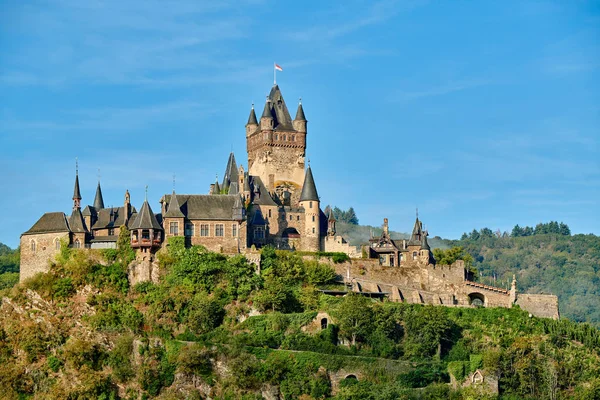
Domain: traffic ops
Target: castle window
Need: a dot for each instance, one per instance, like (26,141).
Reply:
(33,246)
(77,244)
(174,228)
(234,232)
(218,229)
(189,229)
(297,218)
(414,255)
(111,231)
(291,217)
(313,218)
(310,204)
(146,234)
(57,244)
(313,229)
(293,138)
(276,136)
(269,213)
(259,232)
(204,229)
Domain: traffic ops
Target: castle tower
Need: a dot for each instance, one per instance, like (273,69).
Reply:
(231,174)
(277,145)
(252,123)
(173,218)
(309,200)
(146,232)
(77,224)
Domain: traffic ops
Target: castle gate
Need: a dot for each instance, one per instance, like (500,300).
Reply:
(477,299)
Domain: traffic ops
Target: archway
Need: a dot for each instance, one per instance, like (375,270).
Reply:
(351,378)
(477,299)
(324,323)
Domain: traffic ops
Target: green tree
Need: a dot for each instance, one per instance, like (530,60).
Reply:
(355,317)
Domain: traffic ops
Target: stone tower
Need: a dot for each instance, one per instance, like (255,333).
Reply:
(276,146)
(309,200)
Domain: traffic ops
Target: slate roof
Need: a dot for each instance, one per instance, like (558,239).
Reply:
(300,113)
(417,234)
(48,223)
(231,172)
(216,189)
(234,188)
(257,218)
(331,217)
(98,200)
(279,110)
(309,190)
(252,117)
(260,194)
(88,211)
(174,210)
(76,192)
(145,219)
(424,243)
(76,222)
(106,221)
(205,207)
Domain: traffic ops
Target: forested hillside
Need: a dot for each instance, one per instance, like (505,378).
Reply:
(212,327)
(556,263)
(9,266)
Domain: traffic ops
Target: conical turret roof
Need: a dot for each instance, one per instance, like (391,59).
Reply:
(417,234)
(309,189)
(300,113)
(174,210)
(76,222)
(216,189)
(252,117)
(76,192)
(331,217)
(231,173)
(145,219)
(267,110)
(98,200)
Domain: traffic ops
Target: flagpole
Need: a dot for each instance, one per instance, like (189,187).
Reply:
(274,75)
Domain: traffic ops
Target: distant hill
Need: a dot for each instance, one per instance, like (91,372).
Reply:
(9,266)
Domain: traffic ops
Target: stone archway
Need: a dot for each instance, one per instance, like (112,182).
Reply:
(477,299)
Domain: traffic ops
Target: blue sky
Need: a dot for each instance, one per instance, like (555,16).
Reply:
(480,113)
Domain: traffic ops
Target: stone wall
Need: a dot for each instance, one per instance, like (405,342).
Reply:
(539,305)
(46,249)
(339,244)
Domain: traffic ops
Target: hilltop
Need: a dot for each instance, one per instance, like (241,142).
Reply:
(212,327)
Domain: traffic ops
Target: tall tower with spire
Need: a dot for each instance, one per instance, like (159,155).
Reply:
(309,200)
(276,145)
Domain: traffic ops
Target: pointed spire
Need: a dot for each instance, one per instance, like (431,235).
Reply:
(145,219)
(331,217)
(300,113)
(231,173)
(309,189)
(417,234)
(98,200)
(267,110)
(174,210)
(252,117)
(216,189)
(76,191)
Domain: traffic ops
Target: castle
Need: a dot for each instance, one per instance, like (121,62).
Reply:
(274,202)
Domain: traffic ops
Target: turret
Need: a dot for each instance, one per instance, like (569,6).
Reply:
(76,192)
(309,200)
(300,120)
(331,223)
(215,188)
(98,200)
(146,232)
(252,123)
(174,218)
(231,174)
(266,120)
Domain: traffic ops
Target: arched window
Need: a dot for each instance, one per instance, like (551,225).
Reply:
(33,245)
(324,323)
(77,244)
(414,255)
(57,244)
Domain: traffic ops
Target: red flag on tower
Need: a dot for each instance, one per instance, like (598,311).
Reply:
(278,68)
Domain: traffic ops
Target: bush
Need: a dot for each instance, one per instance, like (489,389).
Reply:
(119,358)
(54,363)
(63,288)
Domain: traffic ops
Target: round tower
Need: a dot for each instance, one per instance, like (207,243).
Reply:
(309,200)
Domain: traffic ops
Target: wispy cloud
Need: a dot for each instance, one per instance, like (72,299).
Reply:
(439,90)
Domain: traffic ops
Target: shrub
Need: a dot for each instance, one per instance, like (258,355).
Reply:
(63,288)
(54,363)
(119,358)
